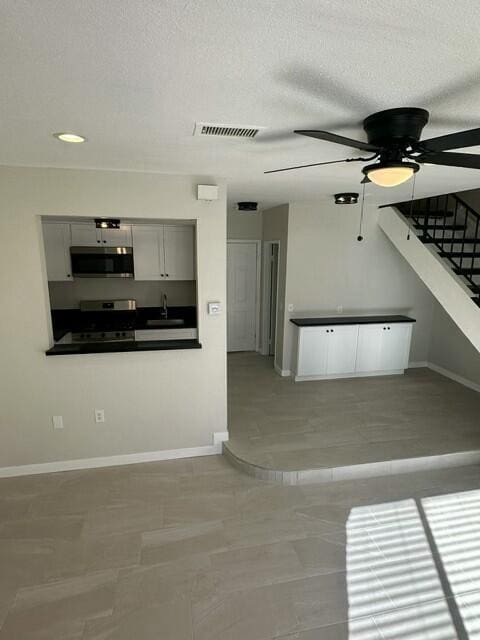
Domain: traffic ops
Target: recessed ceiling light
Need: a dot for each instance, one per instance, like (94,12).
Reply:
(69,137)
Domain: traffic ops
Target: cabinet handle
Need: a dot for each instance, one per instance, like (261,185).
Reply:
(68,275)
(389,328)
(105,241)
(166,275)
(162,275)
(98,241)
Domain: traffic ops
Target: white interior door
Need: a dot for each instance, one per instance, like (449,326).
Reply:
(241,296)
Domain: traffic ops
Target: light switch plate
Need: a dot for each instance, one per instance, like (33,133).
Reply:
(214,308)
(57,422)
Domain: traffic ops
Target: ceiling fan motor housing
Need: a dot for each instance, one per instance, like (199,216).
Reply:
(402,126)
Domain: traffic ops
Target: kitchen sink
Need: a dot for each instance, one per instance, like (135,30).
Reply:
(165,322)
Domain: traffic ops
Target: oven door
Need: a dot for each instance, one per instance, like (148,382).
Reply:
(102,262)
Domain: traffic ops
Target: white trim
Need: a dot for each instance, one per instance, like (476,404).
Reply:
(258,244)
(265,350)
(114,461)
(282,372)
(454,376)
(354,374)
(220,436)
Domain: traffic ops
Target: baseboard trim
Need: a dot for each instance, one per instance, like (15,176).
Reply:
(454,376)
(418,365)
(219,438)
(282,372)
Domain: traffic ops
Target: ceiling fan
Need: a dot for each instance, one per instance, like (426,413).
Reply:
(394,140)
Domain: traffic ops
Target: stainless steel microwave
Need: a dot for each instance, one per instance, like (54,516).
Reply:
(102,262)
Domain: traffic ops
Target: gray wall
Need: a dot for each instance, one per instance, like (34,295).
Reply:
(450,349)
(328,268)
(154,400)
(243,225)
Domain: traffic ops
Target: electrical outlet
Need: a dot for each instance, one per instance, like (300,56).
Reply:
(339,309)
(57,422)
(99,415)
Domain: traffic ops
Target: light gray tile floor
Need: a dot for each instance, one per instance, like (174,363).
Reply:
(224,556)
(277,424)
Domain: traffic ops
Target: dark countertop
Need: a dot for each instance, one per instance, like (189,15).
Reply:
(121,347)
(339,320)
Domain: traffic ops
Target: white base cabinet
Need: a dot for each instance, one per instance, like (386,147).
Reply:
(340,351)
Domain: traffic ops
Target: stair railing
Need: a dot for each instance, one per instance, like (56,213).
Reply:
(436,215)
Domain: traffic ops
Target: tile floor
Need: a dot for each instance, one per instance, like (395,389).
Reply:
(279,424)
(196,550)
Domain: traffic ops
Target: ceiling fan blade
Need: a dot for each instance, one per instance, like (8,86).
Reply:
(466,160)
(315,164)
(333,137)
(459,140)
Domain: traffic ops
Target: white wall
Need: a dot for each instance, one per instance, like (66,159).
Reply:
(244,225)
(67,295)
(328,267)
(153,400)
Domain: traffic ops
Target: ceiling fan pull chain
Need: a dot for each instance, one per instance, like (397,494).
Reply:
(411,207)
(360,237)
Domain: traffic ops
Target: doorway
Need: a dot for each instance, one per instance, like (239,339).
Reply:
(243,284)
(271,252)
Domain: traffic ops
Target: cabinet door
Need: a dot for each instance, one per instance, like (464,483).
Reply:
(117,237)
(369,347)
(395,349)
(342,349)
(148,255)
(179,249)
(313,351)
(56,238)
(85,234)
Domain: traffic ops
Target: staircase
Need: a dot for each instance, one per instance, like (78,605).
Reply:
(449,224)
(440,239)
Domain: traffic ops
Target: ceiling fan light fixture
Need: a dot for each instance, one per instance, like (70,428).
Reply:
(390,174)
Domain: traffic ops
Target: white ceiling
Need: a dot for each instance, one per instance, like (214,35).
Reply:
(135,75)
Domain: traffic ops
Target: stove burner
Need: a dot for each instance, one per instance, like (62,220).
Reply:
(103,336)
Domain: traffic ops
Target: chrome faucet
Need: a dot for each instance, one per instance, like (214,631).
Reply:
(164,305)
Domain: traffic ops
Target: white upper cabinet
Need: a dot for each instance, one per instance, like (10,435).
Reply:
(56,237)
(179,247)
(164,252)
(86,234)
(148,254)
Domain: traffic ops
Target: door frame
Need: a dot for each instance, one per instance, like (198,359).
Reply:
(266,298)
(258,244)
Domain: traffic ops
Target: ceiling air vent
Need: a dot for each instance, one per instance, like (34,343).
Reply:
(225,130)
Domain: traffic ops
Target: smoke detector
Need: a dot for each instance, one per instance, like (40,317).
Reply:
(226,130)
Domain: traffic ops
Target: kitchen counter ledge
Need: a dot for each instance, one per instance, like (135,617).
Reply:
(121,347)
(339,320)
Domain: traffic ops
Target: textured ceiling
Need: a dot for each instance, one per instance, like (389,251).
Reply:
(135,75)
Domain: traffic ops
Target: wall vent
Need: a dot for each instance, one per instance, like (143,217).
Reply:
(225,130)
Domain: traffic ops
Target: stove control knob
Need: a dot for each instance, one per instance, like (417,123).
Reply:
(103,335)
(117,335)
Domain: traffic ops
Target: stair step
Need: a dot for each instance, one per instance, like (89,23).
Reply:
(443,227)
(474,287)
(459,254)
(467,272)
(438,215)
